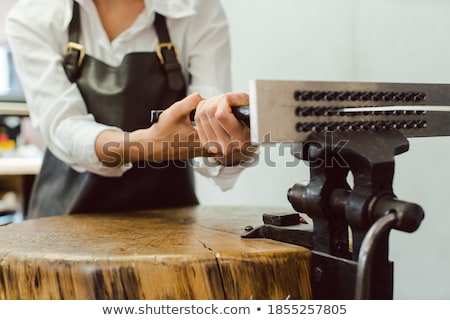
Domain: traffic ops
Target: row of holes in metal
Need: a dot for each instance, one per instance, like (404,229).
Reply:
(358,96)
(360,125)
(342,111)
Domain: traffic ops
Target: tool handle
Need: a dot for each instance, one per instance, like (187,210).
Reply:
(241,113)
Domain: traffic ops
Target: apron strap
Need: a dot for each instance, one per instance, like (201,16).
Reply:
(74,56)
(166,51)
(167,54)
(75,25)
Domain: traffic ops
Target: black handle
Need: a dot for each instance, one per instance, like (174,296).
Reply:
(241,113)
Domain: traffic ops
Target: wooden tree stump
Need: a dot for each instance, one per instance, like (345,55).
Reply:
(187,253)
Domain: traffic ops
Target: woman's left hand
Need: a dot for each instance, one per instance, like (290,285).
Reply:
(220,132)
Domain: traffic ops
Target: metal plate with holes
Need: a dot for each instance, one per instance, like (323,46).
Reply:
(286,111)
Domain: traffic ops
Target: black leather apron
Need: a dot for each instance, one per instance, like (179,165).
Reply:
(120,96)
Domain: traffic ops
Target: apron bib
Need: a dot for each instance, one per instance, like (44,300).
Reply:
(120,96)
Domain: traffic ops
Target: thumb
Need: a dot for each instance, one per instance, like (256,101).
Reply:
(182,109)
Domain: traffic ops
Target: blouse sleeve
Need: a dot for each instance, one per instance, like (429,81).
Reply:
(208,50)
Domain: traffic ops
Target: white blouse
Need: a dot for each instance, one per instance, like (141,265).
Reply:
(37,34)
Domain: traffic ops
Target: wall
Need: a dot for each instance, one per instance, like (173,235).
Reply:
(360,40)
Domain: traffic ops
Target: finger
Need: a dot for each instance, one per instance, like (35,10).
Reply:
(237,99)
(225,118)
(219,129)
(204,118)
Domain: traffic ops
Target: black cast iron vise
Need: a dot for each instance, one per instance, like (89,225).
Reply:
(340,128)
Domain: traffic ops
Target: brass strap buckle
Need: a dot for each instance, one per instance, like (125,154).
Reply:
(78,47)
(168,46)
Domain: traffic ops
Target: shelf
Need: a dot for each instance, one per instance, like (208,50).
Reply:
(20,166)
(13,108)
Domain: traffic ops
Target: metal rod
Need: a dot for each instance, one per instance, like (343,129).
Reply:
(366,254)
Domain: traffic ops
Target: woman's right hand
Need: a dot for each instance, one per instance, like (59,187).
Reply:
(173,137)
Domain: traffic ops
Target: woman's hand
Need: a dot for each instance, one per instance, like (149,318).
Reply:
(172,137)
(220,133)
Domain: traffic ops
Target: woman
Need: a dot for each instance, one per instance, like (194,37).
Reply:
(92,70)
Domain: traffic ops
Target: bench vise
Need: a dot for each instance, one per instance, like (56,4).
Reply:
(343,128)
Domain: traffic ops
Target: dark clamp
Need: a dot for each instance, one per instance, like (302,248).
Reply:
(351,219)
